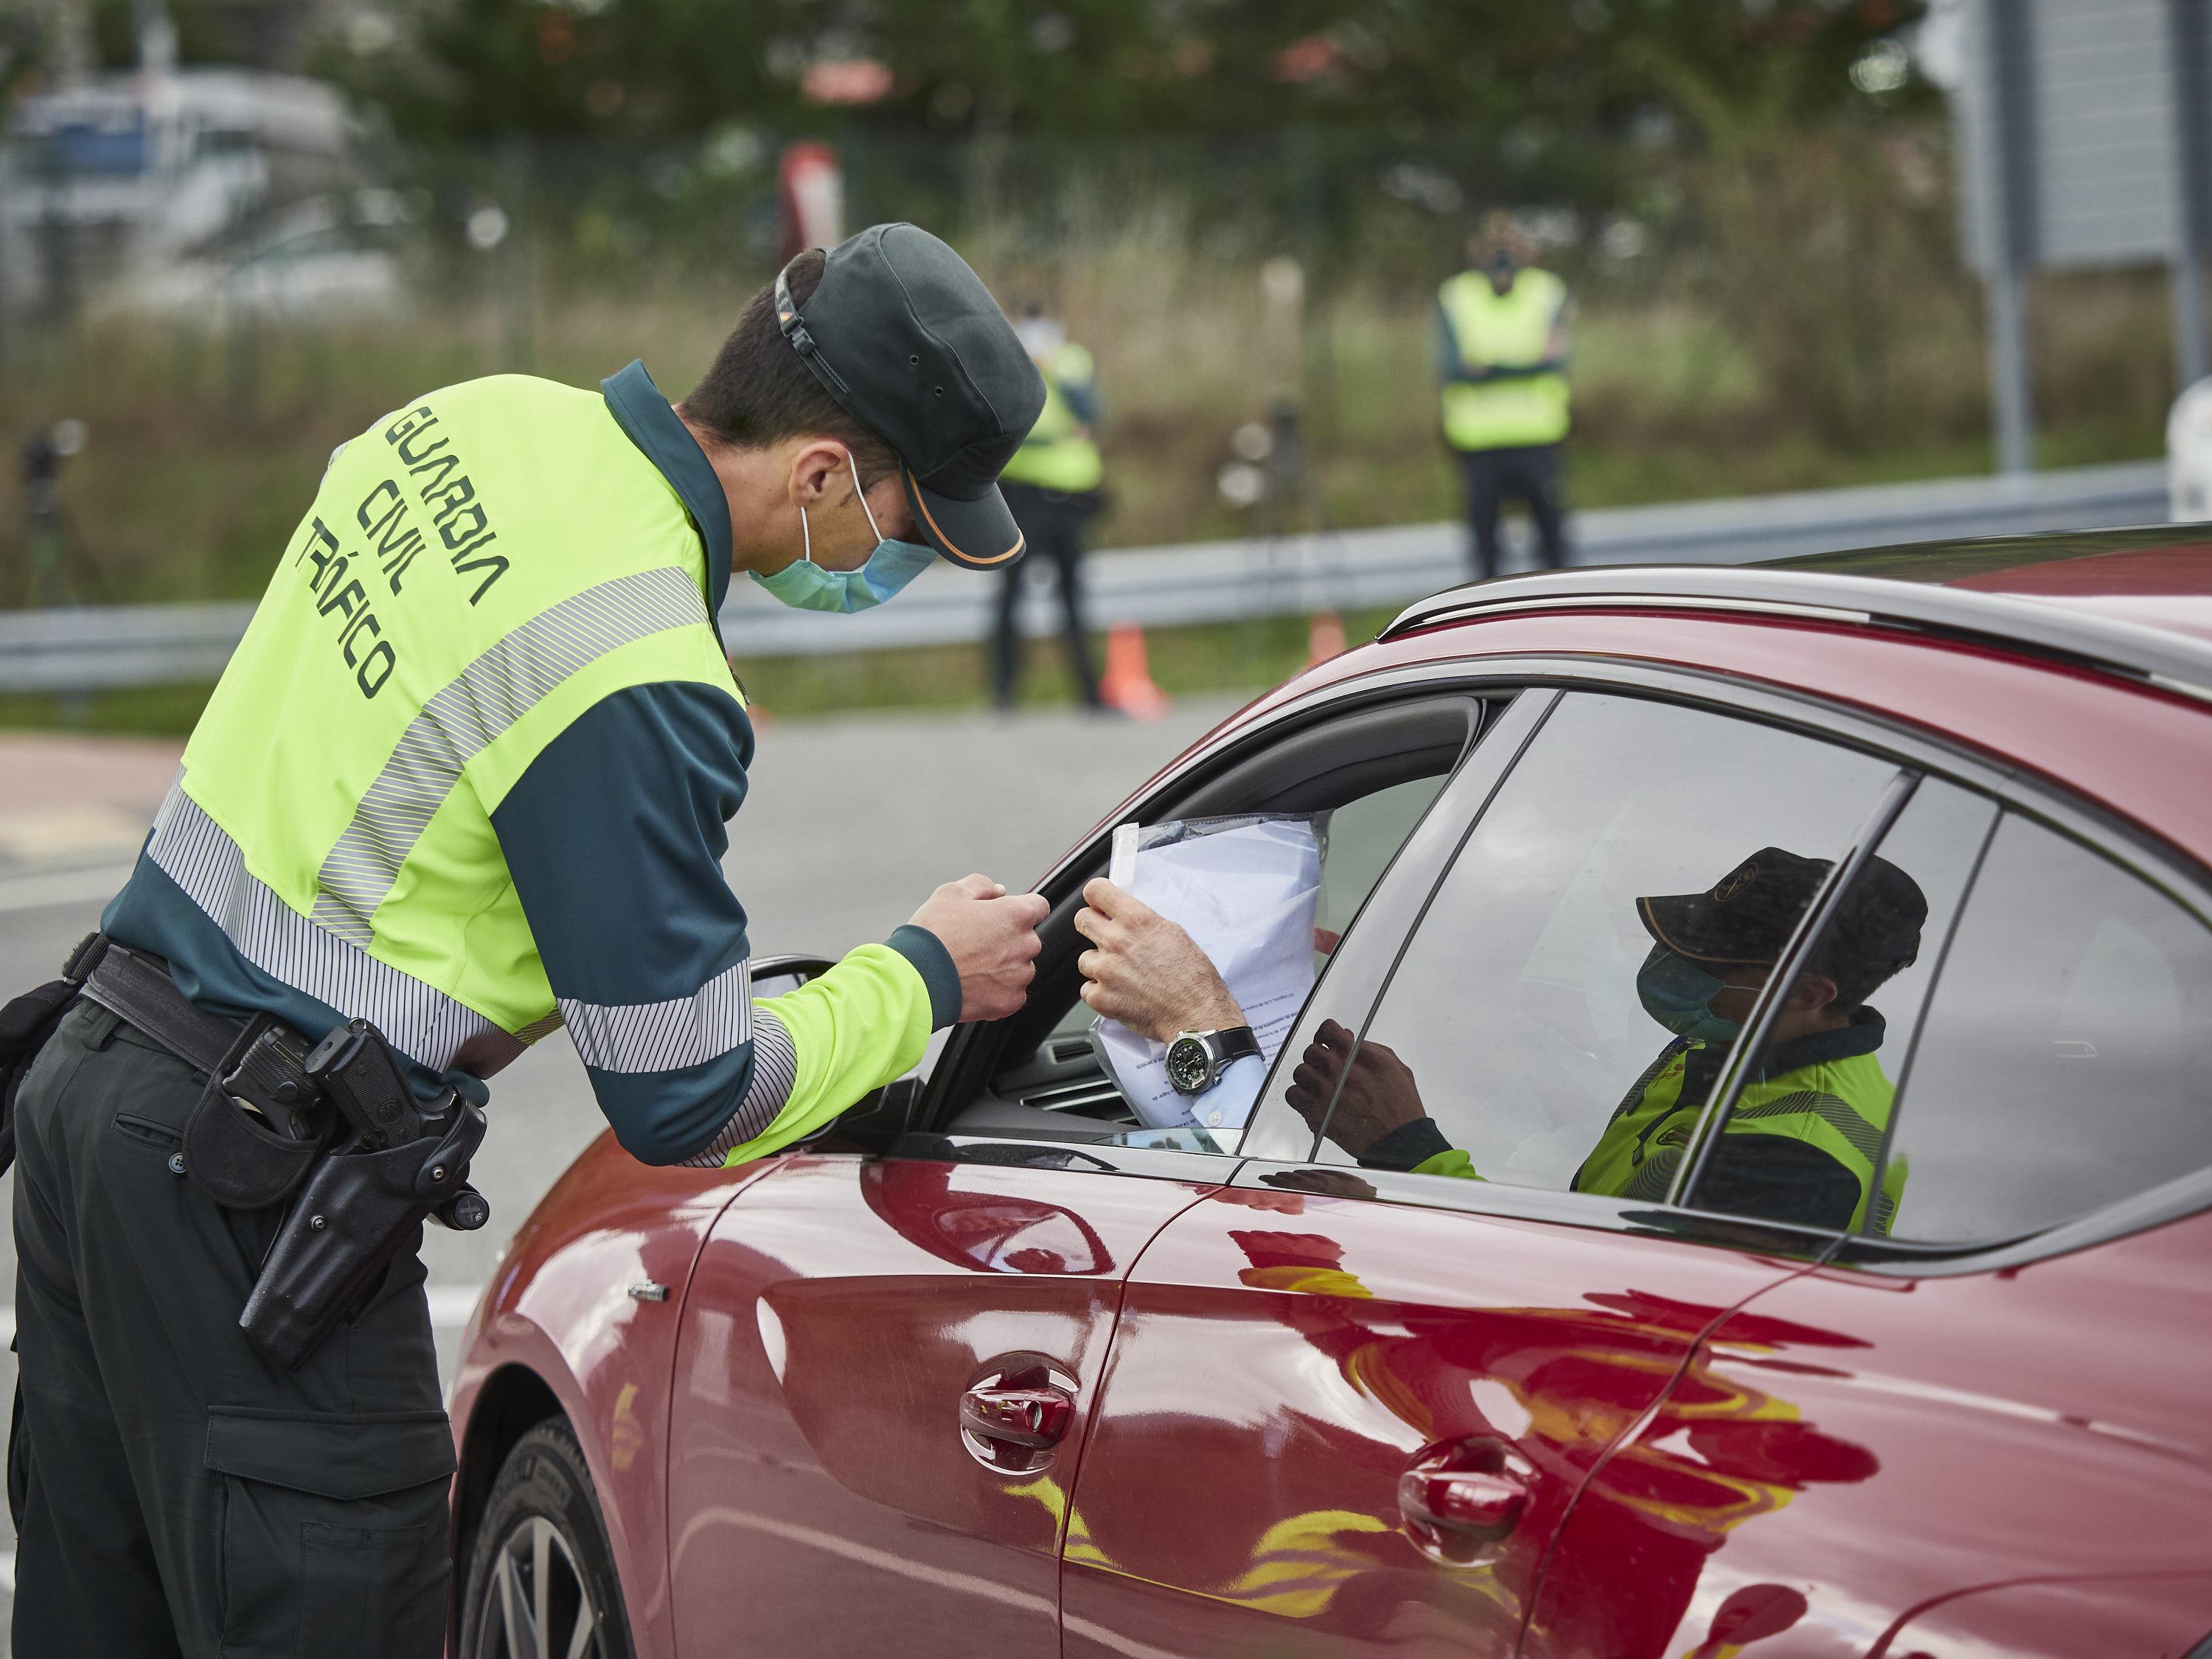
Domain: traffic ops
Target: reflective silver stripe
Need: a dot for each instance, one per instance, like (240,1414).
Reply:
(775,1074)
(661,1037)
(1863,1137)
(468,715)
(419,1020)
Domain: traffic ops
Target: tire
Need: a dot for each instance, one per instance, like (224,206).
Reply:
(541,1569)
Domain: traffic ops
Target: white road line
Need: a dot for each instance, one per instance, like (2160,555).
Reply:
(47,892)
(450,1308)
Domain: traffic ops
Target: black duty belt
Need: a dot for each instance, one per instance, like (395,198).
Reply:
(242,1158)
(337,1123)
(139,988)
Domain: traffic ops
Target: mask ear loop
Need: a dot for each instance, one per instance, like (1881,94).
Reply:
(862,491)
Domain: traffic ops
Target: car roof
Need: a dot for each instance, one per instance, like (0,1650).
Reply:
(2137,602)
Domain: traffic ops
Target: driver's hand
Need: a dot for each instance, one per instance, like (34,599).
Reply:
(992,938)
(1377,1096)
(1147,972)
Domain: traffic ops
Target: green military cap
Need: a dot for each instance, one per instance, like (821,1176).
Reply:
(911,345)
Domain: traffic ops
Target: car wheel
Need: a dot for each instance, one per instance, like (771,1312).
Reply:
(542,1580)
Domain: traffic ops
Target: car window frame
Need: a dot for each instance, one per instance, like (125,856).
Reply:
(2090,833)
(934,1138)
(1913,749)
(1368,958)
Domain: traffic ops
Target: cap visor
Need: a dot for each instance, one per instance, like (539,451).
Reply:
(980,534)
(1685,924)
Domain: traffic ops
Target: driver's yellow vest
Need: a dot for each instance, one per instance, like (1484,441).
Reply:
(1511,330)
(477,571)
(1841,1106)
(1058,454)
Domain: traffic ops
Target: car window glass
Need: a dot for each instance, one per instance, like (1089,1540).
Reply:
(2066,1060)
(1363,836)
(1526,1007)
(1804,1133)
(1357,970)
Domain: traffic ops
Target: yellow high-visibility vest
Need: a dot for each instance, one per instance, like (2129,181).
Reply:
(1058,454)
(1512,329)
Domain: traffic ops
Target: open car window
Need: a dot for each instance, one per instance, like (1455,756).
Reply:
(1373,773)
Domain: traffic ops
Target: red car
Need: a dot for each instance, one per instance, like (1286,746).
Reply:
(990,1369)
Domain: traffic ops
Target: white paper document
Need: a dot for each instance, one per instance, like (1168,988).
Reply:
(1245,890)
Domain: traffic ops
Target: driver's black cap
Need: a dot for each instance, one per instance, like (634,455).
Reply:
(911,345)
(1749,914)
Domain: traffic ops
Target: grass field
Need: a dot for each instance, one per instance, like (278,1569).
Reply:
(1803,373)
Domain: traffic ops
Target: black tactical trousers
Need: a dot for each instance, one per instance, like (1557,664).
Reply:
(1528,474)
(183,1496)
(1052,524)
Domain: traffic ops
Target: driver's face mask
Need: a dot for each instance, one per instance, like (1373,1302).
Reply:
(807,587)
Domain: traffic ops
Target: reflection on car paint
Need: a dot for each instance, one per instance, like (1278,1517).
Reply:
(1406,1379)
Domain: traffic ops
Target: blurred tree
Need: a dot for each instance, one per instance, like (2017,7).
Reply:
(1529,97)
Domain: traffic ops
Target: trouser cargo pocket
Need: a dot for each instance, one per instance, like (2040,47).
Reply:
(333,1533)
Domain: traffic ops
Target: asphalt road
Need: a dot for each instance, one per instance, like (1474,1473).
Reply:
(848,824)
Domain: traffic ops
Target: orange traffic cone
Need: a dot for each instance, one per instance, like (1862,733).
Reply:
(1325,639)
(1128,682)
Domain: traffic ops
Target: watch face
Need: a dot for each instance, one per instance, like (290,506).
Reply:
(1188,1066)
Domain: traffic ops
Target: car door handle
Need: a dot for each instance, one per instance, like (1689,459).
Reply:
(1033,1417)
(1477,1488)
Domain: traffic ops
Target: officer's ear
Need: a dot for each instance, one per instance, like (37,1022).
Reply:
(1811,994)
(819,472)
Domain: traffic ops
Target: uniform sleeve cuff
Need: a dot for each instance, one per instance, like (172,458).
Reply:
(1406,1145)
(934,964)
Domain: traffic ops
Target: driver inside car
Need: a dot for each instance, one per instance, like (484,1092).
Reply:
(1806,1135)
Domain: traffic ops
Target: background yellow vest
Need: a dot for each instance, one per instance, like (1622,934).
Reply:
(1509,331)
(1057,454)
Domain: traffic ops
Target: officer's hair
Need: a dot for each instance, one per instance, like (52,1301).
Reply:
(758,392)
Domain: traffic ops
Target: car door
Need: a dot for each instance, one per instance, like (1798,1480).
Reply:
(1347,1406)
(888,1358)
(1981,1429)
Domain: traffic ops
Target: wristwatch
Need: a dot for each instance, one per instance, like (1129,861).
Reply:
(1197,1059)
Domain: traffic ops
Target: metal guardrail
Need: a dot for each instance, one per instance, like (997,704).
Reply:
(91,648)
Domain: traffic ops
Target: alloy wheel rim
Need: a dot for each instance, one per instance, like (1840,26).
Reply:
(538,1606)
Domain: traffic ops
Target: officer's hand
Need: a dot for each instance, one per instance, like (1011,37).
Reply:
(1147,972)
(993,939)
(1379,1096)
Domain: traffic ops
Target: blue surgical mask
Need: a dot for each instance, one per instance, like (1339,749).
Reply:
(1679,994)
(806,586)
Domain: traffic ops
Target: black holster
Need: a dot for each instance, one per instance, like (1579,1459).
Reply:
(359,1206)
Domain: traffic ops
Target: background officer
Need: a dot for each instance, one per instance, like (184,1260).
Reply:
(1051,483)
(467,777)
(1502,359)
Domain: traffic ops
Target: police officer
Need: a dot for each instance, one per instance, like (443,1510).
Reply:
(467,778)
(1800,1145)
(1803,1139)
(1502,356)
(1051,485)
